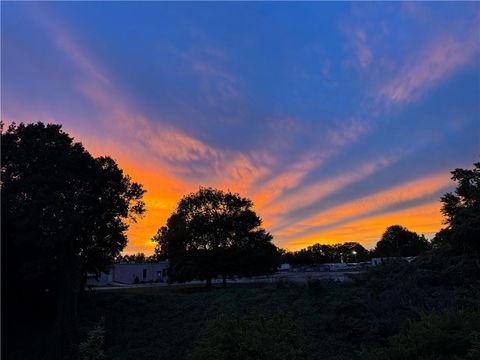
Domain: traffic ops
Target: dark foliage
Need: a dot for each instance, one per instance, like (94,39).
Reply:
(462,212)
(214,233)
(398,241)
(273,336)
(64,214)
(138,258)
(444,335)
(321,254)
(327,320)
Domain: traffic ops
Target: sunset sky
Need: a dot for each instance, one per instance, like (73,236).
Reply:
(336,119)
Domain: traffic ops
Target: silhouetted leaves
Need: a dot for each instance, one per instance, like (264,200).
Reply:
(274,336)
(323,253)
(64,214)
(450,334)
(462,211)
(214,233)
(398,241)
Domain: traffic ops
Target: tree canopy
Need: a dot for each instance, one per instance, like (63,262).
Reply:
(323,253)
(461,209)
(399,241)
(64,213)
(215,233)
(137,258)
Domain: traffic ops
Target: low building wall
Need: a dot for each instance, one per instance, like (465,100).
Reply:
(133,273)
(137,273)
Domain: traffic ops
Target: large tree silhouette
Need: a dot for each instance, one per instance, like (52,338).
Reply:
(64,214)
(214,233)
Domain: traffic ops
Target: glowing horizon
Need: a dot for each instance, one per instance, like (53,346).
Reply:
(334,131)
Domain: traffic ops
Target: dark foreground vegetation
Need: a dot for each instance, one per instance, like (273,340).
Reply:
(428,309)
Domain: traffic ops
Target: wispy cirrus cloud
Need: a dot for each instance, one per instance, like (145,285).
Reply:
(290,178)
(370,206)
(217,85)
(436,62)
(307,195)
(348,132)
(287,179)
(404,73)
(362,50)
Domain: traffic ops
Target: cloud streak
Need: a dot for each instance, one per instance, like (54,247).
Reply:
(367,207)
(313,193)
(439,60)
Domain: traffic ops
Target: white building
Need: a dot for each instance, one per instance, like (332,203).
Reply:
(132,273)
(378,260)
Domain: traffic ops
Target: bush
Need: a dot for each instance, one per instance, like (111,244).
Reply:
(451,334)
(92,347)
(320,286)
(287,284)
(266,336)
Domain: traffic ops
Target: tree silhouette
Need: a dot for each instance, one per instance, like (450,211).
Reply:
(64,214)
(138,258)
(214,233)
(399,241)
(462,212)
(323,253)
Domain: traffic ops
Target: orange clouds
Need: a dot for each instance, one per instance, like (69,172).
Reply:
(163,192)
(285,180)
(425,219)
(313,193)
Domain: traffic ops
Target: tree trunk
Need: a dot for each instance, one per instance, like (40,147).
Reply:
(209,282)
(224,279)
(67,300)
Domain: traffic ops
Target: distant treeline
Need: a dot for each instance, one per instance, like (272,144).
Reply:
(138,257)
(396,241)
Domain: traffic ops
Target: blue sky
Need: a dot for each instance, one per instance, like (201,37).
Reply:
(337,119)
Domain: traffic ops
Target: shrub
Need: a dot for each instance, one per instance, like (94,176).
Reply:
(451,334)
(92,347)
(274,336)
(288,284)
(320,286)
